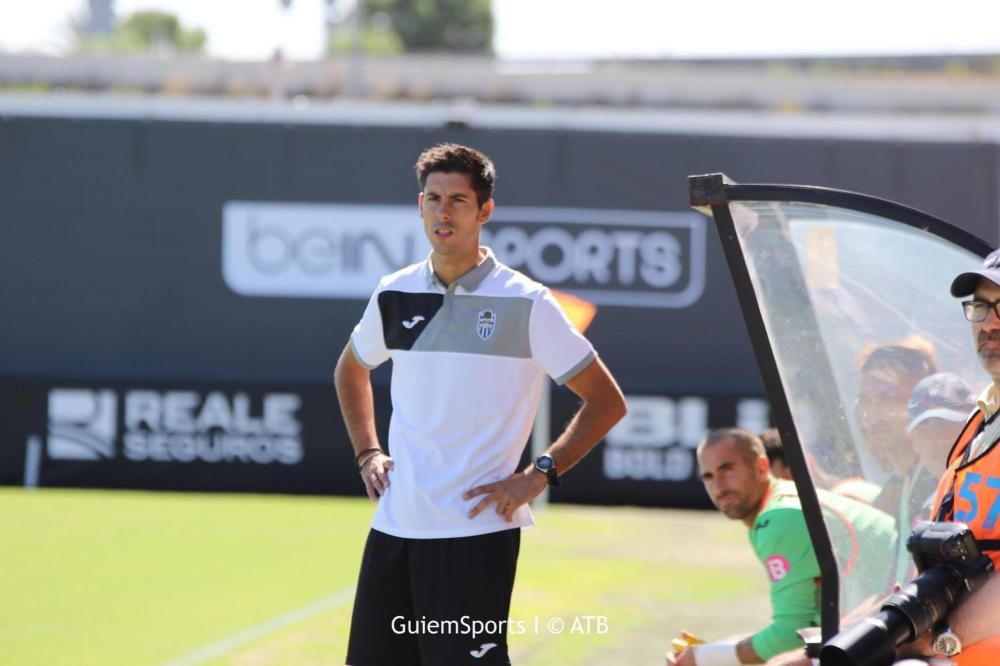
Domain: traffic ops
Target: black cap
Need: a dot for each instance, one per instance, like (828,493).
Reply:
(966,283)
(940,396)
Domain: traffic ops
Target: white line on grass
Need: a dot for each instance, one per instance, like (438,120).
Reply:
(230,643)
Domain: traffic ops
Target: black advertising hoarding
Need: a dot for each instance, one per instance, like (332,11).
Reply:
(156,254)
(290,439)
(648,459)
(127,240)
(246,438)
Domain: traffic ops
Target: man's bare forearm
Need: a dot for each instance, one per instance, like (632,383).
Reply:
(603,406)
(357,403)
(978,616)
(587,427)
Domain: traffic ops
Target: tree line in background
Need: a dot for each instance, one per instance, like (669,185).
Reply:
(370,26)
(413,26)
(143,31)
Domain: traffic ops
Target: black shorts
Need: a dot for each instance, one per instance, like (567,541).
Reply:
(434,602)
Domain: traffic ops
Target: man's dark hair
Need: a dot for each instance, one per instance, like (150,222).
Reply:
(772,446)
(749,444)
(912,358)
(455,158)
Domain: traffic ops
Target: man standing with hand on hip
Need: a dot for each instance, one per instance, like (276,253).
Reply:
(471,341)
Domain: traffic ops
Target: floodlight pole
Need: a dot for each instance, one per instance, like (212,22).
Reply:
(356,59)
(32,461)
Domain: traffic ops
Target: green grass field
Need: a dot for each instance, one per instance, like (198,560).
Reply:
(109,578)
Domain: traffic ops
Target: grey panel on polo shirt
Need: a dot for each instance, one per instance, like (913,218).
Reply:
(484,325)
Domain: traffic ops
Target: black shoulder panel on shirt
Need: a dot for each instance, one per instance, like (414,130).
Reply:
(405,316)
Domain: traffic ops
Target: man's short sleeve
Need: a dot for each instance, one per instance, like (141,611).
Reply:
(368,338)
(556,345)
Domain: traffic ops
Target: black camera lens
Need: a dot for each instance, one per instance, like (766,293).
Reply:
(951,564)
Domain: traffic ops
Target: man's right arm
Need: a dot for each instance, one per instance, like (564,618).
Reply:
(782,545)
(975,619)
(357,405)
(978,616)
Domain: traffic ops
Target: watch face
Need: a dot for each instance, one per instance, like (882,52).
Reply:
(947,644)
(544,463)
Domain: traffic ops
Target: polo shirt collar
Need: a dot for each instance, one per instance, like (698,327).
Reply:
(471,280)
(989,401)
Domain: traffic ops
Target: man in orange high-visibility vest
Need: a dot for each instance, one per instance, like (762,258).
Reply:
(969,490)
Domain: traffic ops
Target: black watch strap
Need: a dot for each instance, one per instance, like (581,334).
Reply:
(547,466)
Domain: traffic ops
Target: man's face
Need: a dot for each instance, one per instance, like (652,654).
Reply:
(882,416)
(986,333)
(932,439)
(452,216)
(735,485)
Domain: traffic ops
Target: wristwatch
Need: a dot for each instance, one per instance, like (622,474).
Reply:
(547,466)
(946,643)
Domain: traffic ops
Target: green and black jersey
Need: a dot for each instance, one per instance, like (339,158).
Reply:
(860,534)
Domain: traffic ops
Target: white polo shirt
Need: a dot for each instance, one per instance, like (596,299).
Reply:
(468,362)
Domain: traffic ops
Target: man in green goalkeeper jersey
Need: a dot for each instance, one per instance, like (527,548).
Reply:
(734,468)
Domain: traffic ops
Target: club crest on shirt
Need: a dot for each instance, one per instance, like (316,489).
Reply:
(486,323)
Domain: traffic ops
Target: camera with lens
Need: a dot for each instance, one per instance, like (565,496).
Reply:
(950,565)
